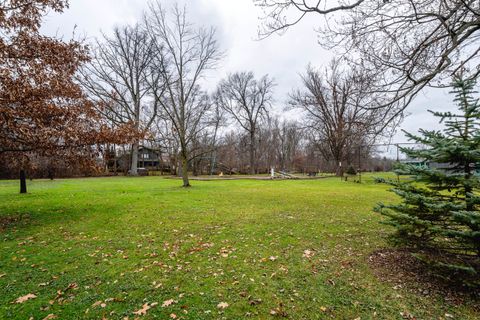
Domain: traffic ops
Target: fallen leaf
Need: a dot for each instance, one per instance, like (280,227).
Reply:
(50,316)
(308,253)
(96,304)
(168,302)
(143,310)
(72,286)
(173,316)
(254,302)
(25,298)
(222,305)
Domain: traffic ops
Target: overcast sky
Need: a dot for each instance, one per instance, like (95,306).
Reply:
(282,57)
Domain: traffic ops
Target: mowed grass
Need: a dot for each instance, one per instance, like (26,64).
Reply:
(105,247)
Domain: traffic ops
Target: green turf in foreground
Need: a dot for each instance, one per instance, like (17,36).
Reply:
(120,243)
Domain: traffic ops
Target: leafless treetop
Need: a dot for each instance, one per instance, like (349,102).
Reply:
(405,45)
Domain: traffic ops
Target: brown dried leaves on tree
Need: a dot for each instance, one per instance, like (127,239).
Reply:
(43,110)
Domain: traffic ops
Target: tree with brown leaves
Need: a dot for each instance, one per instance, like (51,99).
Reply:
(43,111)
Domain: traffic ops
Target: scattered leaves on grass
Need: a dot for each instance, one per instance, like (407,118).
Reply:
(25,298)
(405,272)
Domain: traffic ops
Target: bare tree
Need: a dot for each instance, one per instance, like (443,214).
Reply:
(117,77)
(247,100)
(184,53)
(164,134)
(288,136)
(218,119)
(334,103)
(405,45)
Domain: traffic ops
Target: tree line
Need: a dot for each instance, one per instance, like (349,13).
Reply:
(65,101)
(152,74)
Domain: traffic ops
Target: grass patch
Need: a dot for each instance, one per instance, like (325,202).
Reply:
(105,247)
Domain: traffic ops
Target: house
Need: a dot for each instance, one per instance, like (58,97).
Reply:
(436,165)
(148,158)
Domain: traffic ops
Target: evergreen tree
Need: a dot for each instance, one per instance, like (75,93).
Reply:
(440,207)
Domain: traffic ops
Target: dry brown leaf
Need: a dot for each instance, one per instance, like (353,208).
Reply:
(25,298)
(143,310)
(222,305)
(308,253)
(50,316)
(168,302)
(98,303)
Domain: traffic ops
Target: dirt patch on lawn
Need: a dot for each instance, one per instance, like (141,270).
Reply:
(404,271)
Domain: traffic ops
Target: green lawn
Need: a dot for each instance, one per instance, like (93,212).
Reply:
(105,247)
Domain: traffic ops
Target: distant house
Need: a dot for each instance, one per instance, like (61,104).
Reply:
(415,162)
(435,165)
(148,158)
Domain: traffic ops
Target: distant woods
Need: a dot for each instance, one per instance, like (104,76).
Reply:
(153,75)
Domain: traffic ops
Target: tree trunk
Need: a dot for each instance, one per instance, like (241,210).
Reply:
(212,162)
(50,174)
(186,182)
(134,164)
(23,182)
(195,167)
(252,152)
(468,189)
(340,170)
